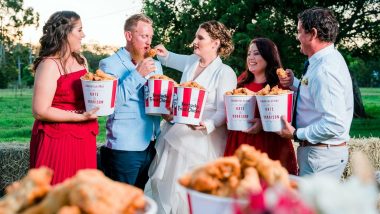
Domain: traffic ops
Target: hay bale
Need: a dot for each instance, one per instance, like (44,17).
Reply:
(14,162)
(369,146)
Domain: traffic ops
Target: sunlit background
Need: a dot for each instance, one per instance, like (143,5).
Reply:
(102,20)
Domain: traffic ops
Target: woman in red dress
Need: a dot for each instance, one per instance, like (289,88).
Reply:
(263,60)
(64,134)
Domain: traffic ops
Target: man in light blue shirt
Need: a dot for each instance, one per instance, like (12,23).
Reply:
(324,103)
(131,133)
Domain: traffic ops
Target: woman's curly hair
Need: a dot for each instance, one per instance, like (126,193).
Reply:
(54,39)
(217,30)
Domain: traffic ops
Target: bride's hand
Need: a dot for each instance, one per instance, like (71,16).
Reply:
(201,126)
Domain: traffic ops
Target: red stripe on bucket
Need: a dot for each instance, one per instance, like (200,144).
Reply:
(113,97)
(157,93)
(147,95)
(175,107)
(290,107)
(169,94)
(186,101)
(201,95)
(189,200)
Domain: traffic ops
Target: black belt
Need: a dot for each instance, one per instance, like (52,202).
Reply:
(307,143)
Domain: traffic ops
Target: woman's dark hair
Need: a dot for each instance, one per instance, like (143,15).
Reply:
(268,50)
(54,39)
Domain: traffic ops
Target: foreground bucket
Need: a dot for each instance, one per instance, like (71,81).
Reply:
(100,94)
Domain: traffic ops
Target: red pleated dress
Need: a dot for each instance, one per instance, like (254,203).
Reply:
(276,147)
(65,147)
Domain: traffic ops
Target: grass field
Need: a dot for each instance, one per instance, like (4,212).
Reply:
(16,116)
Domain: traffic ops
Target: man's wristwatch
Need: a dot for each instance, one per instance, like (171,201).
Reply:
(295,136)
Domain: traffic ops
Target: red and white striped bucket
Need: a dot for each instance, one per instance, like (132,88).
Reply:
(272,107)
(100,94)
(239,109)
(158,96)
(188,105)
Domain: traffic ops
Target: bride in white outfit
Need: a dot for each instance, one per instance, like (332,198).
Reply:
(181,147)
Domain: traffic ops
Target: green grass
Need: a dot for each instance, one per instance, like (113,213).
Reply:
(368,127)
(16,118)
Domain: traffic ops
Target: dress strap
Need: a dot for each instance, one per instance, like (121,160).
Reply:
(54,59)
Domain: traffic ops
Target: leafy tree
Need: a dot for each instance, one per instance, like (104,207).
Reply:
(13,17)
(94,53)
(176,23)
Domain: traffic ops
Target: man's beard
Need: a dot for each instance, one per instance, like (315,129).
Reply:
(136,54)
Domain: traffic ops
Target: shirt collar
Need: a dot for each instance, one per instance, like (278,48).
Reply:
(324,51)
(123,51)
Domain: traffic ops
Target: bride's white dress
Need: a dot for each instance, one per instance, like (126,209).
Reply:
(179,148)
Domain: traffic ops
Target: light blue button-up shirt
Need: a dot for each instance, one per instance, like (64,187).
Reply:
(325,104)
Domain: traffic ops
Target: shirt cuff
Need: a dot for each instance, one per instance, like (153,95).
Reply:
(138,77)
(301,134)
(209,124)
(163,60)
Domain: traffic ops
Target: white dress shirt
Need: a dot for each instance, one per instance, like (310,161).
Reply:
(325,104)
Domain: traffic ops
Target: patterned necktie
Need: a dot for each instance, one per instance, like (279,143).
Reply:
(294,123)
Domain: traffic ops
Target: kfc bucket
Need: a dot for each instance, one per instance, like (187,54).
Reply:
(100,94)
(158,96)
(188,105)
(272,107)
(200,203)
(239,109)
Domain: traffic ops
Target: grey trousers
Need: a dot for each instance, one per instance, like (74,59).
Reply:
(322,160)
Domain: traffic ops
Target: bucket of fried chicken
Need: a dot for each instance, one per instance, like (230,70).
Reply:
(189,100)
(273,104)
(240,108)
(158,93)
(99,90)
(225,184)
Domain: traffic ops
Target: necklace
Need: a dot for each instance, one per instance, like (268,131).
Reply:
(202,66)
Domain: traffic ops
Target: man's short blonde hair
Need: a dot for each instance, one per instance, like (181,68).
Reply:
(131,22)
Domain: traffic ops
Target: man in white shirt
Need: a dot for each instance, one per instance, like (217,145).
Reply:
(324,103)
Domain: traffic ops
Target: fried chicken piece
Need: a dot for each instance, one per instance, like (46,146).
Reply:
(275,90)
(88,76)
(27,191)
(53,201)
(281,73)
(219,177)
(264,91)
(92,193)
(98,76)
(192,84)
(69,210)
(249,184)
(96,193)
(103,75)
(271,171)
(151,53)
(240,91)
(162,77)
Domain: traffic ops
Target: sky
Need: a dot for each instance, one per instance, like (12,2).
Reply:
(102,20)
